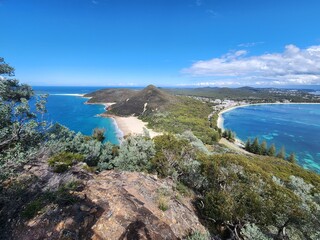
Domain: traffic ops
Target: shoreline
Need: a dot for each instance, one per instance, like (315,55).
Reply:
(130,125)
(221,119)
(106,105)
(238,142)
(125,125)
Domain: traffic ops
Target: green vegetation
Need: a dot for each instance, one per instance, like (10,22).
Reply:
(182,189)
(198,236)
(292,158)
(188,114)
(20,129)
(247,93)
(282,153)
(134,154)
(176,158)
(163,199)
(261,149)
(61,162)
(61,196)
(98,134)
(229,135)
(244,191)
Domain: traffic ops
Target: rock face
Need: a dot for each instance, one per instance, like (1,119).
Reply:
(131,208)
(109,205)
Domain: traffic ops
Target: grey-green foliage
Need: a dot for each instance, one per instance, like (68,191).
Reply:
(252,231)
(195,142)
(95,152)
(308,226)
(106,157)
(21,128)
(198,236)
(98,134)
(134,154)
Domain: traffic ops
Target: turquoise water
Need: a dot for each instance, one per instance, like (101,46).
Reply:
(71,111)
(294,126)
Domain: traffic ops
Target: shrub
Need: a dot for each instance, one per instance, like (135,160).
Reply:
(252,231)
(33,208)
(135,154)
(98,134)
(198,236)
(61,162)
(177,158)
(259,191)
(163,199)
(182,189)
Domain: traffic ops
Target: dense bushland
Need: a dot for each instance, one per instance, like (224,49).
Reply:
(188,114)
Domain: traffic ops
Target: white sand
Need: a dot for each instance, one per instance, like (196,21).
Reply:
(127,125)
(68,94)
(132,125)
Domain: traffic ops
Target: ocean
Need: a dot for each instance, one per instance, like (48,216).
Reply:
(294,126)
(68,109)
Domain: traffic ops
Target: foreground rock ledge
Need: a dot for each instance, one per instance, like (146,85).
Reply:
(131,208)
(110,205)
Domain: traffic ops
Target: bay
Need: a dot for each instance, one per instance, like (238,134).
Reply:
(294,126)
(67,107)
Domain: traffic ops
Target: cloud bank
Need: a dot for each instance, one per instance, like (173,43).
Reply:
(294,66)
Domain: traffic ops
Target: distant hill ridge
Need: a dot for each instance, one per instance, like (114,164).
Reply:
(134,102)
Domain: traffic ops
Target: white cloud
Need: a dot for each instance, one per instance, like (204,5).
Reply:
(292,66)
(250,44)
(95,2)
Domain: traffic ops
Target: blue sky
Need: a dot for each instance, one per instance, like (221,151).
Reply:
(163,42)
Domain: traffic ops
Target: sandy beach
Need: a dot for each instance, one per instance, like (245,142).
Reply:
(127,125)
(131,125)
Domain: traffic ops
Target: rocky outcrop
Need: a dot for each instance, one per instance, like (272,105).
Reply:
(109,205)
(131,208)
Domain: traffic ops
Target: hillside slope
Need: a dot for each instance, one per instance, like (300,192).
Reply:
(144,102)
(110,95)
(134,102)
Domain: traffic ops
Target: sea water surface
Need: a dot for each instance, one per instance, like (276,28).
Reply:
(294,126)
(67,108)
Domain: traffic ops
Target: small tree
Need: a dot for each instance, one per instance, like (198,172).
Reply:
(98,134)
(248,145)
(272,151)
(228,134)
(21,129)
(292,158)
(255,147)
(282,153)
(263,148)
(224,134)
